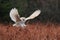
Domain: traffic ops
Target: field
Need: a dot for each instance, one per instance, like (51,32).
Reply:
(34,31)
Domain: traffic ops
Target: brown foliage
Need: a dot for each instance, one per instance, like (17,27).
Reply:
(37,31)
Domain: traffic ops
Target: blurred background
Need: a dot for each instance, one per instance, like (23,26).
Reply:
(50,9)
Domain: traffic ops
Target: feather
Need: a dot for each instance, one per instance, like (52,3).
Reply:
(35,14)
(14,15)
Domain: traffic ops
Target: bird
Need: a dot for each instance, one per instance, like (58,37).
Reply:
(20,21)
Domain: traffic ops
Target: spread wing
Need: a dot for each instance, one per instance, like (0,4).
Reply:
(14,15)
(35,14)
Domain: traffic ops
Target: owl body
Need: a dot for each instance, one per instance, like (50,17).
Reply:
(20,23)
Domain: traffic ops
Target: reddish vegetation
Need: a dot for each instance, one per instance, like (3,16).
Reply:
(36,31)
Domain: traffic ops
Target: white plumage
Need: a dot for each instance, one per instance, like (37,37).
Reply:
(20,21)
(14,15)
(35,14)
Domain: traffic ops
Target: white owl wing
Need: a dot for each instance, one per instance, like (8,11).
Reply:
(35,14)
(14,15)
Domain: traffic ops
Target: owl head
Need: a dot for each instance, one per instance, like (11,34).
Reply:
(22,18)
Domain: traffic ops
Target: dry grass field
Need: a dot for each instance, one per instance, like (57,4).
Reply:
(34,31)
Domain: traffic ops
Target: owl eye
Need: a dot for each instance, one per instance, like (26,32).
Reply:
(23,19)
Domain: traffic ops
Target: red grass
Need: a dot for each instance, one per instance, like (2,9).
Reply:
(37,31)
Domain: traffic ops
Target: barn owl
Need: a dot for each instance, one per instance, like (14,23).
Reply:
(20,21)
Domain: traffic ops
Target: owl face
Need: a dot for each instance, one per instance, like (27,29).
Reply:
(22,18)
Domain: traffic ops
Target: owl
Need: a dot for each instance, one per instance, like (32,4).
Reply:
(20,21)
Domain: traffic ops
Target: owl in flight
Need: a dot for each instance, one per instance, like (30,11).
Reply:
(20,21)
